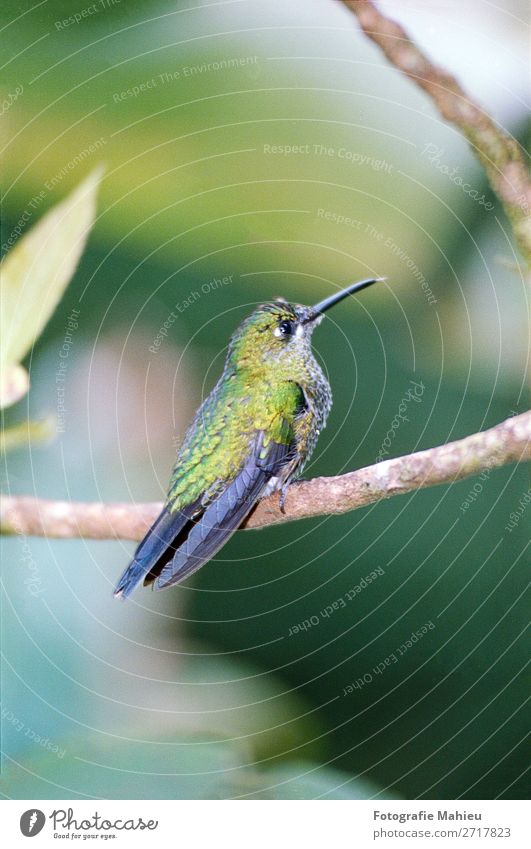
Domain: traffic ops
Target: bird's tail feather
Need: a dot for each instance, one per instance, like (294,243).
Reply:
(155,550)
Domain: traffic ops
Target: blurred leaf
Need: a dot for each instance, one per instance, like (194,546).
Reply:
(14,383)
(307,780)
(27,433)
(105,767)
(34,276)
(169,766)
(253,707)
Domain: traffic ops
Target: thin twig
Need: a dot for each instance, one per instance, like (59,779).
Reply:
(508,442)
(497,151)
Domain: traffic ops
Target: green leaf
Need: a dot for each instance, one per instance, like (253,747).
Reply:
(34,276)
(27,433)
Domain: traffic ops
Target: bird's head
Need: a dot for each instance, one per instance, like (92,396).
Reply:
(279,333)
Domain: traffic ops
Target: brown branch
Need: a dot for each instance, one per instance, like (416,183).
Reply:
(497,151)
(508,442)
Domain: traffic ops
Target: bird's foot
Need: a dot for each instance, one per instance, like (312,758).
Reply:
(282,500)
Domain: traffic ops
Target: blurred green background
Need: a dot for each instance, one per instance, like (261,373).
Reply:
(255,149)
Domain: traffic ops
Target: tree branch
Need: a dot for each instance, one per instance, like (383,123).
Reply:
(508,442)
(497,151)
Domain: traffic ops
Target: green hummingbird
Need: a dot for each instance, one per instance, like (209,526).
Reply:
(250,437)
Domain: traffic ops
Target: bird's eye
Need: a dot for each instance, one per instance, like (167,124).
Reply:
(285,328)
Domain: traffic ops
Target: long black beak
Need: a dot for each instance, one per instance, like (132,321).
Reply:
(334,299)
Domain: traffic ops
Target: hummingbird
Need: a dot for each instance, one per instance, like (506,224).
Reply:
(251,437)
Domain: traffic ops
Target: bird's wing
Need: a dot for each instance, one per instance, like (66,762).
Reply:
(226,512)
(157,547)
(182,540)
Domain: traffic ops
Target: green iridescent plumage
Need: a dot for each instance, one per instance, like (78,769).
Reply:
(257,392)
(251,436)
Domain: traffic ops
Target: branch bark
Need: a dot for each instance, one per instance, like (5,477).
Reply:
(508,442)
(497,151)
